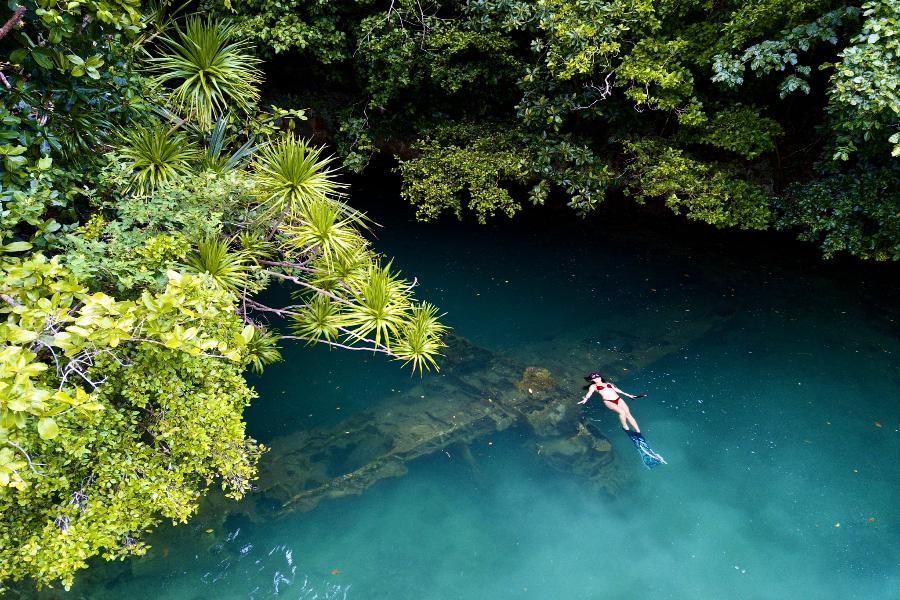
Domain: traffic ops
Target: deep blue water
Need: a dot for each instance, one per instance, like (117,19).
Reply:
(780,422)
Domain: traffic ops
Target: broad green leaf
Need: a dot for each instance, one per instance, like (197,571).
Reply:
(17,247)
(47,428)
(17,335)
(16,404)
(42,57)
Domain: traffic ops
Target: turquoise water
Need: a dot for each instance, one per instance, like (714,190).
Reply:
(778,416)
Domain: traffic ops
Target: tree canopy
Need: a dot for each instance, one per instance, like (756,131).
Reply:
(754,114)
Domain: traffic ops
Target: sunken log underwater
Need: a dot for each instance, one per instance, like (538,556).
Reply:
(476,393)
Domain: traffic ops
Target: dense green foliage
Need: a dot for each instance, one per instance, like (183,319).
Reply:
(465,162)
(137,411)
(146,200)
(733,113)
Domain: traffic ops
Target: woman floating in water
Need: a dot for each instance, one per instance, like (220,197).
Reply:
(610,395)
(611,399)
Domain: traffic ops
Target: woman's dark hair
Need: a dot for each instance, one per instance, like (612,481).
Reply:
(594,375)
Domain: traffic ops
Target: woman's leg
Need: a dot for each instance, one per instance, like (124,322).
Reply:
(633,422)
(620,410)
(625,415)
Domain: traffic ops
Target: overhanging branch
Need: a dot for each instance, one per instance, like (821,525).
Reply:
(13,20)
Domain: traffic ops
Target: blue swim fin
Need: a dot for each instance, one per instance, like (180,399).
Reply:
(650,458)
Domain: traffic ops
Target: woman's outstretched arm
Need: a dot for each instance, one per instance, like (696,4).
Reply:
(591,389)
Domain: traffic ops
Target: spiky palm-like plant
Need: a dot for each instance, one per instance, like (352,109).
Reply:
(81,126)
(319,319)
(322,229)
(212,69)
(256,247)
(156,154)
(420,340)
(262,349)
(216,158)
(336,274)
(229,269)
(289,174)
(380,304)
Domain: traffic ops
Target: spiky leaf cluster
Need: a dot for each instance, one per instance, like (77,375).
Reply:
(156,154)
(228,269)
(211,69)
(290,174)
(346,296)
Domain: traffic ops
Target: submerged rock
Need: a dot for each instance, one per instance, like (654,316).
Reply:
(535,379)
(554,418)
(586,454)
